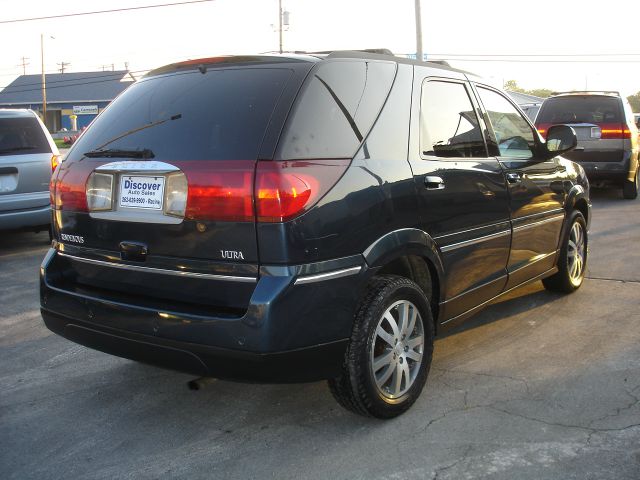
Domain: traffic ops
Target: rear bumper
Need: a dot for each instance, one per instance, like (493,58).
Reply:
(614,172)
(294,329)
(300,365)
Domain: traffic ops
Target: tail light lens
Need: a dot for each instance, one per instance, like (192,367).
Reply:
(68,187)
(615,131)
(542,129)
(55,161)
(285,190)
(220,190)
(99,192)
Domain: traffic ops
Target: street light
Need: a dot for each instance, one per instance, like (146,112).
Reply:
(44,86)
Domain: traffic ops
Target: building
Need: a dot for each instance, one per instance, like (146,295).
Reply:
(82,94)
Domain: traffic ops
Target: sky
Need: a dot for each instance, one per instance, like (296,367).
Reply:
(555,44)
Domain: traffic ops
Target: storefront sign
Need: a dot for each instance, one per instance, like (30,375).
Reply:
(85,109)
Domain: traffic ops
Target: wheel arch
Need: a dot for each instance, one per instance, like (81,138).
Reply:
(413,254)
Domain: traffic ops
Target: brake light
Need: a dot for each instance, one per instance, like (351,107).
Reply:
(55,161)
(220,190)
(285,190)
(615,131)
(542,129)
(68,187)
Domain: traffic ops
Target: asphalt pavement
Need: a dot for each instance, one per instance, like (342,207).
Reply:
(536,386)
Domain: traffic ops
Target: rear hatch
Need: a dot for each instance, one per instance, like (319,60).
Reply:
(25,162)
(597,120)
(155,200)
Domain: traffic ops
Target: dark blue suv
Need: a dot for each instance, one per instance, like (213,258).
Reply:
(303,217)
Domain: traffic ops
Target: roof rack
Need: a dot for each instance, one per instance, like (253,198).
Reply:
(609,92)
(379,51)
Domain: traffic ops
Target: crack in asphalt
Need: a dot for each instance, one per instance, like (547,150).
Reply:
(462,458)
(605,279)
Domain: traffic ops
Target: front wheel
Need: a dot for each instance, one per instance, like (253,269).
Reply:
(389,355)
(572,263)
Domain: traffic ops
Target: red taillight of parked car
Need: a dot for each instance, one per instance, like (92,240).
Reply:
(285,190)
(543,128)
(614,131)
(219,190)
(68,187)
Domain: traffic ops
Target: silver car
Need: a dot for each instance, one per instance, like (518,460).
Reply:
(608,143)
(28,155)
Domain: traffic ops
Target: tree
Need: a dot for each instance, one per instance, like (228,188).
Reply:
(512,86)
(540,92)
(634,100)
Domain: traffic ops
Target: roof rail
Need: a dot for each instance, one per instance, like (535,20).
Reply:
(610,92)
(379,51)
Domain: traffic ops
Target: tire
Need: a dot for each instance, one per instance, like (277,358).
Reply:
(393,333)
(630,189)
(572,262)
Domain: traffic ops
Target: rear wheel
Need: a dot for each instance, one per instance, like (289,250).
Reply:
(630,189)
(389,356)
(572,263)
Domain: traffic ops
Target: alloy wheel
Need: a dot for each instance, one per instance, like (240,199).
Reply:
(397,349)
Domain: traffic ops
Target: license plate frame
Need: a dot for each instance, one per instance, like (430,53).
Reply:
(144,192)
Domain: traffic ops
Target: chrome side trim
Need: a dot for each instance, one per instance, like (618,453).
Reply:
(541,222)
(473,241)
(505,223)
(327,276)
(162,271)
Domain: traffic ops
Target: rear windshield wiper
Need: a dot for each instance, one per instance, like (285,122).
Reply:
(16,149)
(120,153)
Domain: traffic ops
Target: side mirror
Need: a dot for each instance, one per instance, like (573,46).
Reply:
(560,139)
(638,123)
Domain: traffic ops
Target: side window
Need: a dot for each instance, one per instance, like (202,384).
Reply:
(449,126)
(337,107)
(514,135)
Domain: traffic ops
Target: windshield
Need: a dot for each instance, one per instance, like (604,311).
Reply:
(219,115)
(22,136)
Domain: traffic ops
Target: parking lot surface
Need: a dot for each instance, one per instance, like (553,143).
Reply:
(536,386)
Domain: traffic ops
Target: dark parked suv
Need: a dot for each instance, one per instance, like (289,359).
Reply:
(608,142)
(296,218)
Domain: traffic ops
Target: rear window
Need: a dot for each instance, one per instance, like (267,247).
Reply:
(22,136)
(580,109)
(338,105)
(221,114)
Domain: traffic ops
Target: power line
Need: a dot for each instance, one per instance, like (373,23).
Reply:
(16,20)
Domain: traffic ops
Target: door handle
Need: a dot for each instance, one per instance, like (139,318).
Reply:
(514,177)
(433,183)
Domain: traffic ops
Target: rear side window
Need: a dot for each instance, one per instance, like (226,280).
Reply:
(221,114)
(22,136)
(449,126)
(580,109)
(337,107)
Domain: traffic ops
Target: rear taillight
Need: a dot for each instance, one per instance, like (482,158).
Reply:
(55,161)
(100,192)
(542,129)
(68,187)
(285,190)
(220,190)
(614,131)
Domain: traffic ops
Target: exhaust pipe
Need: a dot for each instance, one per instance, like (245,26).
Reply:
(200,383)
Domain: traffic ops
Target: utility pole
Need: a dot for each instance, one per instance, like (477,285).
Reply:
(24,65)
(419,55)
(63,65)
(44,86)
(280,23)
